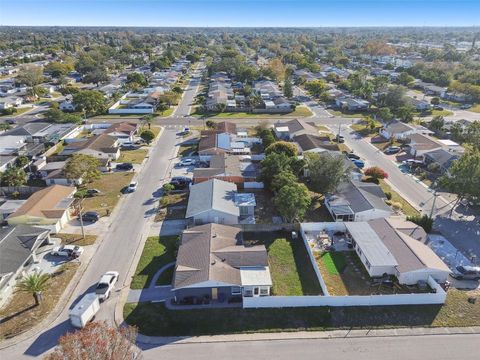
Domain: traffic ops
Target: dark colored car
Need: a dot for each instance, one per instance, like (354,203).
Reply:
(353,156)
(124,166)
(180,182)
(90,216)
(92,192)
(465,272)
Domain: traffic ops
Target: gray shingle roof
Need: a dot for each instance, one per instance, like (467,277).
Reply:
(362,196)
(212,194)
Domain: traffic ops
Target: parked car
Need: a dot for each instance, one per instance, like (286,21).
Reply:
(186,162)
(128,146)
(180,182)
(71,251)
(132,187)
(106,285)
(92,192)
(359,163)
(353,156)
(437,107)
(185,131)
(465,272)
(90,216)
(392,150)
(466,106)
(124,166)
(340,139)
(11,121)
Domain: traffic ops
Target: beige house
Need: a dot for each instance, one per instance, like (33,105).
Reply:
(48,208)
(99,146)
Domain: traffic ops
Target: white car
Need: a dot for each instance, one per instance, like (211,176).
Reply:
(132,187)
(187,162)
(106,284)
(72,251)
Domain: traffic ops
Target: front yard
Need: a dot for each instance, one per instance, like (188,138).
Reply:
(157,252)
(407,209)
(20,313)
(290,268)
(300,111)
(111,186)
(172,206)
(133,156)
(76,239)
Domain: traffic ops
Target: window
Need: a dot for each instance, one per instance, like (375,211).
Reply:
(367,264)
(263,291)
(236,290)
(247,292)
(255,291)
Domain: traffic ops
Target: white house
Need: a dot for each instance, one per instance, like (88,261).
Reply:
(397,130)
(67,105)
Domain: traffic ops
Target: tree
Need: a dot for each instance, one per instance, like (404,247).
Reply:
(168,188)
(90,101)
(14,176)
(425,221)
(96,76)
(148,119)
(58,116)
(316,87)
(325,171)
(384,113)
(162,107)
(396,97)
(435,101)
(376,173)
(292,201)
(30,75)
(284,147)
(405,79)
(282,179)
(177,89)
(34,284)
(58,69)
(437,123)
(21,161)
(463,177)
(100,341)
(405,113)
(82,166)
(136,80)
(148,136)
(472,134)
(274,164)
(288,87)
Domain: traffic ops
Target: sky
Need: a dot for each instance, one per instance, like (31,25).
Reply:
(241,13)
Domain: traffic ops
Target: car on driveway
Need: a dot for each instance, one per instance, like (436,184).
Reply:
(124,166)
(90,216)
(392,150)
(352,156)
(132,187)
(180,182)
(106,284)
(359,163)
(92,192)
(466,272)
(71,251)
(186,162)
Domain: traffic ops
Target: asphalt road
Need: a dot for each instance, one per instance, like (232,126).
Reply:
(449,347)
(184,107)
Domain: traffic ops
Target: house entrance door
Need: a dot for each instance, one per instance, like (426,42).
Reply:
(214,294)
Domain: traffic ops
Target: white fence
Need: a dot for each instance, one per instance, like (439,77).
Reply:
(373,300)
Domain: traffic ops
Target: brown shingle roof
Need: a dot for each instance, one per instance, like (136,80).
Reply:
(123,127)
(214,252)
(298,126)
(309,142)
(49,202)
(226,127)
(104,143)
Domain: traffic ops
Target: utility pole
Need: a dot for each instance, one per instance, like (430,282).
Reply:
(434,200)
(80,208)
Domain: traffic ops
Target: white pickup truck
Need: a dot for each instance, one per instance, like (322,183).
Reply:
(85,310)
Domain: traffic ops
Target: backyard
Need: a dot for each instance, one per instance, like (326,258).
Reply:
(157,252)
(133,156)
(290,268)
(21,314)
(111,186)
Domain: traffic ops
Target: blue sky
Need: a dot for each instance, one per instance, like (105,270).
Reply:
(304,13)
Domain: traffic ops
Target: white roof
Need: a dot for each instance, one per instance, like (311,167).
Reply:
(448,142)
(282,129)
(371,245)
(258,275)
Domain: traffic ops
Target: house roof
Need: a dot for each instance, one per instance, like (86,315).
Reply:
(103,143)
(123,127)
(398,127)
(360,196)
(227,165)
(296,126)
(215,252)
(227,127)
(442,157)
(213,194)
(28,129)
(50,202)
(16,245)
(422,143)
(308,142)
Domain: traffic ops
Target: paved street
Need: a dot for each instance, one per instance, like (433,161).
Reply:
(184,107)
(438,347)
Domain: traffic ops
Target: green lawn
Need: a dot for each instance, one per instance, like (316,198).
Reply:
(407,208)
(475,108)
(300,111)
(18,112)
(290,267)
(335,262)
(76,239)
(133,156)
(157,252)
(187,149)
(166,113)
(155,320)
(346,114)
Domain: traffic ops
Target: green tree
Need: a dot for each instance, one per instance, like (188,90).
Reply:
(148,119)
(14,176)
(58,69)
(405,79)
(96,76)
(148,136)
(288,87)
(274,164)
(435,101)
(82,166)
(405,113)
(437,123)
(316,87)
(292,201)
(136,80)
(325,171)
(34,284)
(472,134)
(22,161)
(168,188)
(162,107)
(30,75)
(288,148)
(396,97)
(177,89)
(282,179)
(92,102)
(384,114)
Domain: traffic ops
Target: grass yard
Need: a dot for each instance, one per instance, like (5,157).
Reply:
(335,262)
(187,149)
(166,277)
(133,156)
(300,111)
(166,113)
(20,313)
(19,111)
(111,186)
(76,239)
(157,252)
(364,129)
(290,268)
(156,320)
(323,128)
(475,108)
(407,208)
(172,206)
(346,114)
(154,129)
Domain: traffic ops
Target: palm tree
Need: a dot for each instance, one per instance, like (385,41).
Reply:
(34,284)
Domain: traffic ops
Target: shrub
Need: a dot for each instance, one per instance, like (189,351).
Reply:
(376,173)
(388,195)
(425,221)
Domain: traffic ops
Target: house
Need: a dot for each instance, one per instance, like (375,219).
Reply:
(9,207)
(67,105)
(420,105)
(48,208)
(6,161)
(443,158)
(314,143)
(233,168)
(213,264)
(99,146)
(123,131)
(431,89)
(419,144)
(351,104)
(216,201)
(221,140)
(289,129)
(19,246)
(358,201)
(277,105)
(41,132)
(397,130)
(393,246)
(12,144)
(10,102)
